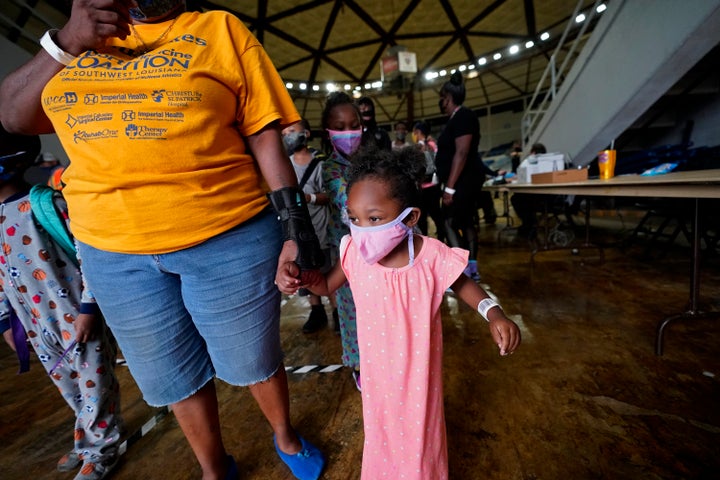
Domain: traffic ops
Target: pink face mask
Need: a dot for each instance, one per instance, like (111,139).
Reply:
(345,142)
(375,243)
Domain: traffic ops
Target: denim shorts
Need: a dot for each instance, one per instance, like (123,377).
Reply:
(181,318)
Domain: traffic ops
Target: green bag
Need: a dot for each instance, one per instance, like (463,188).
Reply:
(49,216)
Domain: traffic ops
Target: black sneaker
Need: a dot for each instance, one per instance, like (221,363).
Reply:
(317,320)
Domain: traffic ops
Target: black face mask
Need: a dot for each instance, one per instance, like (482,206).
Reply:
(368,117)
(294,142)
(155,8)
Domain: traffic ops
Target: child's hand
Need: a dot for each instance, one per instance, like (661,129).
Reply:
(85,327)
(504,331)
(310,277)
(286,278)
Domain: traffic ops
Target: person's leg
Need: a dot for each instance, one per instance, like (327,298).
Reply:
(318,317)
(238,317)
(273,398)
(199,420)
(99,415)
(142,303)
(434,211)
(452,234)
(488,207)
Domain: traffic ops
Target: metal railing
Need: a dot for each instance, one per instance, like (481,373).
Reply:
(551,79)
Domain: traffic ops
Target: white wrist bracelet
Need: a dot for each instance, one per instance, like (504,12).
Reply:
(485,305)
(48,43)
(449,191)
(313,199)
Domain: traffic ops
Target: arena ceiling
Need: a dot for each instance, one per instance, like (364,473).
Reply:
(314,43)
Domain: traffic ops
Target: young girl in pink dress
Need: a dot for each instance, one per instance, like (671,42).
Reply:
(398,280)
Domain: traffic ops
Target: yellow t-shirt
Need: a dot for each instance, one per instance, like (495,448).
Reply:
(157,157)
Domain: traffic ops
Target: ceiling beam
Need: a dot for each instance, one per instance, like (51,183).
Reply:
(319,52)
(487,11)
(288,38)
(450,12)
(295,10)
(389,39)
(261,20)
(530,18)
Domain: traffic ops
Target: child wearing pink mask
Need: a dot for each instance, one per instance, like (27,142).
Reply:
(399,279)
(341,119)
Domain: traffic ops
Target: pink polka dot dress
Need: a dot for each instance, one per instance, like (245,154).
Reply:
(399,333)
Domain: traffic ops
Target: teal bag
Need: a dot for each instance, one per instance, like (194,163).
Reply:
(47,214)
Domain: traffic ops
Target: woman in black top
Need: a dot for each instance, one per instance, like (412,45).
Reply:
(458,170)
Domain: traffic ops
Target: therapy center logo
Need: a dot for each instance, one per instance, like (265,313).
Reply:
(143,132)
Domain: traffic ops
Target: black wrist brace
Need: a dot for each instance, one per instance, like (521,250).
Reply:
(289,203)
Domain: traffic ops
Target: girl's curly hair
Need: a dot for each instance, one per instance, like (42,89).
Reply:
(402,170)
(332,101)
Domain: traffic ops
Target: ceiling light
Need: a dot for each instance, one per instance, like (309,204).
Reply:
(472,74)
(347,86)
(544,36)
(471,66)
(368,86)
(514,49)
(497,56)
(443,73)
(303,86)
(316,88)
(462,68)
(330,87)
(288,85)
(580,18)
(482,61)
(377,84)
(529,44)
(601,8)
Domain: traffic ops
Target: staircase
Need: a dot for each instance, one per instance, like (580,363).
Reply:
(637,51)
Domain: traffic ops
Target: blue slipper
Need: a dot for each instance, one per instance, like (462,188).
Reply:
(307,464)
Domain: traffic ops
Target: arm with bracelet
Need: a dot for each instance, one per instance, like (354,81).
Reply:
(301,256)
(88,27)
(504,331)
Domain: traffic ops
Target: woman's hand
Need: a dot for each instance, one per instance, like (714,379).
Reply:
(289,278)
(92,22)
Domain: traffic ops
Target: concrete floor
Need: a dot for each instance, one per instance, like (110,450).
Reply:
(585,396)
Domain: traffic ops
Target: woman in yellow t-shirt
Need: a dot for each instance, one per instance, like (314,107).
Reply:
(172,121)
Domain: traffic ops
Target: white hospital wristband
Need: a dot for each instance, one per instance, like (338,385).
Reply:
(48,43)
(313,199)
(449,191)
(485,305)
